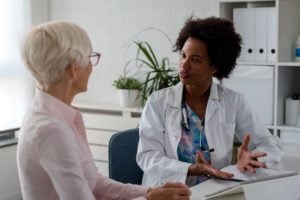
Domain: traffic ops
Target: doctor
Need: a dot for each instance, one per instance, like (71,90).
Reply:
(187,131)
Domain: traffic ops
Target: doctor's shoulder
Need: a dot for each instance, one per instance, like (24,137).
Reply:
(164,93)
(232,97)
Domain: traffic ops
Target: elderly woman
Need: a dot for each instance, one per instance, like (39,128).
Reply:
(187,131)
(54,159)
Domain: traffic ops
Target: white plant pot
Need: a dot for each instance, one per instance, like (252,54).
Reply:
(128,98)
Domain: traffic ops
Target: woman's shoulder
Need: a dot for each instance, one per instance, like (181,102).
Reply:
(39,125)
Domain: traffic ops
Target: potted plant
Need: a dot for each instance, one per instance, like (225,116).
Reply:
(159,74)
(128,90)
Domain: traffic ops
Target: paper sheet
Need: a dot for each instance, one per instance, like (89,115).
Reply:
(260,174)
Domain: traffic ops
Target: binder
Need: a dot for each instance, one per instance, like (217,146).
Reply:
(271,38)
(261,34)
(244,20)
(238,20)
(249,34)
(257,27)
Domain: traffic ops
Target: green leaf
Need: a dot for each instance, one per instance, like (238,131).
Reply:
(159,73)
(124,82)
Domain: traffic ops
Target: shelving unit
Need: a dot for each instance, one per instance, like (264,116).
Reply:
(286,70)
(101,122)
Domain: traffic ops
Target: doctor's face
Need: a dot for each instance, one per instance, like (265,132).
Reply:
(194,64)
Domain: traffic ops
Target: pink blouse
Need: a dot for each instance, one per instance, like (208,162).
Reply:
(54,159)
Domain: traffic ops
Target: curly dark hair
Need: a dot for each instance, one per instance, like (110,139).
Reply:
(223,43)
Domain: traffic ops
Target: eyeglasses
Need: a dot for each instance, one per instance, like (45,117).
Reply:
(94,58)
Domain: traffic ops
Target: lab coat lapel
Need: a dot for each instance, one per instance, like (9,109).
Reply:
(213,101)
(174,115)
(215,114)
(175,96)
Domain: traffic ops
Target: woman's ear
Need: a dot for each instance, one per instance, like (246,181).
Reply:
(73,70)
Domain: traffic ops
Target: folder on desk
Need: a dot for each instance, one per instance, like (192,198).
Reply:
(261,34)
(261,174)
(277,189)
(259,186)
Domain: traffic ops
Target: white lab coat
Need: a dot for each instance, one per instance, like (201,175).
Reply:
(227,114)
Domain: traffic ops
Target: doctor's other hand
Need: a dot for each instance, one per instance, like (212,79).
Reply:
(169,191)
(201,167)
(247,160)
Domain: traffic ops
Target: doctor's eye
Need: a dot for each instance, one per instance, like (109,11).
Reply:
(182,55)
(196,60)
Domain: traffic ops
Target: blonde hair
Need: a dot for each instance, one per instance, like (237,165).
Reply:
(48,49)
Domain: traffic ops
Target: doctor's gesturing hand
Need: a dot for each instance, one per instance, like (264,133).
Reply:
(247,160)
(202,167)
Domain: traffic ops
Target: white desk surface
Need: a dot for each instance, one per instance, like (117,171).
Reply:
(209,186)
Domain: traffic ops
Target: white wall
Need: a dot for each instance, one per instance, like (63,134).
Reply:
(114,24)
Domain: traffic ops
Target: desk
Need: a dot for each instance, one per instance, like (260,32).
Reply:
(286,188)
(276,188)
(209,186)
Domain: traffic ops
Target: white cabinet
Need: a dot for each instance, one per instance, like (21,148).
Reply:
(101,122)
(9,181)
(285,71)
(256,82)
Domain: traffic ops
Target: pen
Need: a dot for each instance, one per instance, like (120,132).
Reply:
(185,119)
(229,179)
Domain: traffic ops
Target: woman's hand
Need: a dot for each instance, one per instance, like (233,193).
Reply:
(169,191)
(201,167)
(247,160)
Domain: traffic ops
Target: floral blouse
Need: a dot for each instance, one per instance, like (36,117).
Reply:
(191,141)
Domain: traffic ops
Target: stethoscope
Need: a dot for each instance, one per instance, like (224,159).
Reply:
(184,116)
(185,123)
